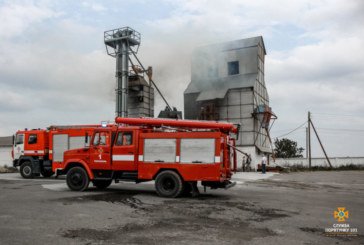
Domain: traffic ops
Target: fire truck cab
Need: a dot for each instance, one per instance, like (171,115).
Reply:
(38,151)
(29,149)
(141,149)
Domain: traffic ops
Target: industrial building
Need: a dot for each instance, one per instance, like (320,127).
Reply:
(134,94)
(6,144)
(227,84)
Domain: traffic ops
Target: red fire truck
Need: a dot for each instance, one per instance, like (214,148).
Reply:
(37,151)
(175,153)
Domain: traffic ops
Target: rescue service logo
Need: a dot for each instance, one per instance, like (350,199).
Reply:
(341,214)
(100,151)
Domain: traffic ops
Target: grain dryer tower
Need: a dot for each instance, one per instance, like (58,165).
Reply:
(134,95)
(227,84)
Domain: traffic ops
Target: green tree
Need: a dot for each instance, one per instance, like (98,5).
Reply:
(286,148)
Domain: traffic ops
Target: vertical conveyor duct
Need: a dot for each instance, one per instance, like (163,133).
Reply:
(119,42)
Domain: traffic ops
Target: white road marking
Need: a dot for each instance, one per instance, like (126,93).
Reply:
(241,177)
(17,176)
(56,187)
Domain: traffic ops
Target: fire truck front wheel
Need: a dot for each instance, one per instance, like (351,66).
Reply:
(26,170)
(168,184)
(77,179)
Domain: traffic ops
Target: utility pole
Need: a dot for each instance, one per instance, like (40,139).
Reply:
(309,139)
(322,147)
(306,142)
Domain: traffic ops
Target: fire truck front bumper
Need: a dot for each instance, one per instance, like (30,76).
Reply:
(15,163)
(230,184)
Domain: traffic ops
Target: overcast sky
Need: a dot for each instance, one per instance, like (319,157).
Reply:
(54,68)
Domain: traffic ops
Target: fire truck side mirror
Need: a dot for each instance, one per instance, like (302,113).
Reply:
(86,138)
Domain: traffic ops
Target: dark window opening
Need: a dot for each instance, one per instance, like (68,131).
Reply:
(32,139)
(124,138)
(233,68)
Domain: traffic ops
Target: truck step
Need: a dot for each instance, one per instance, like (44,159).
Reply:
(125,176)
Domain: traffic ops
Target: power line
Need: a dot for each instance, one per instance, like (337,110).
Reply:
(281,130)
(299,127)
(336,115)
(343,129)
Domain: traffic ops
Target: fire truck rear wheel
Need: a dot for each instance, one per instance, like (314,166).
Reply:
(168,184)
(77,179)
(102,184)
(26,170)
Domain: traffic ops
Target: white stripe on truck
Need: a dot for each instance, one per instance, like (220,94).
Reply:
(37,152)
(123,157)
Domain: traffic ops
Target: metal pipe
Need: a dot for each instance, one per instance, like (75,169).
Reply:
(178,123)
(122,63)
(118,80)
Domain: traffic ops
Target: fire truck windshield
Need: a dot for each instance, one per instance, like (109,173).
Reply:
(19,139)
(101,138)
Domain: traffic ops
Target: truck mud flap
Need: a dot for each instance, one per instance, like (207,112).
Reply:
(215,185)
(230,184)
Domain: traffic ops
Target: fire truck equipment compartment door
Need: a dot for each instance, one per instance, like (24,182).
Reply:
(60,145)
(159,150)
(77,142)
(197,150)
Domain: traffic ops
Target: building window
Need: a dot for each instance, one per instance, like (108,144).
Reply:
(233,68)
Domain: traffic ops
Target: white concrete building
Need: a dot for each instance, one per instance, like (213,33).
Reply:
(227,84)
(5,151)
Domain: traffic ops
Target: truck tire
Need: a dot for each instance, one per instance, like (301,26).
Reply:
(26,170)
(168,184)
(77,179)
(47,173)
(102,184)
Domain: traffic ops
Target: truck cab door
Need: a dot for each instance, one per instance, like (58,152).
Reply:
(18,147)
(100,150)
(124,151)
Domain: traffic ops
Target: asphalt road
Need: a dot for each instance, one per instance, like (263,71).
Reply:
(281,209)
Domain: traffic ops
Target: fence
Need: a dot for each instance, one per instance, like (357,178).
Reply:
(335,161)
(5,156)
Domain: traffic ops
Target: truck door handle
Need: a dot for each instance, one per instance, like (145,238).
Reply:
(130,152)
